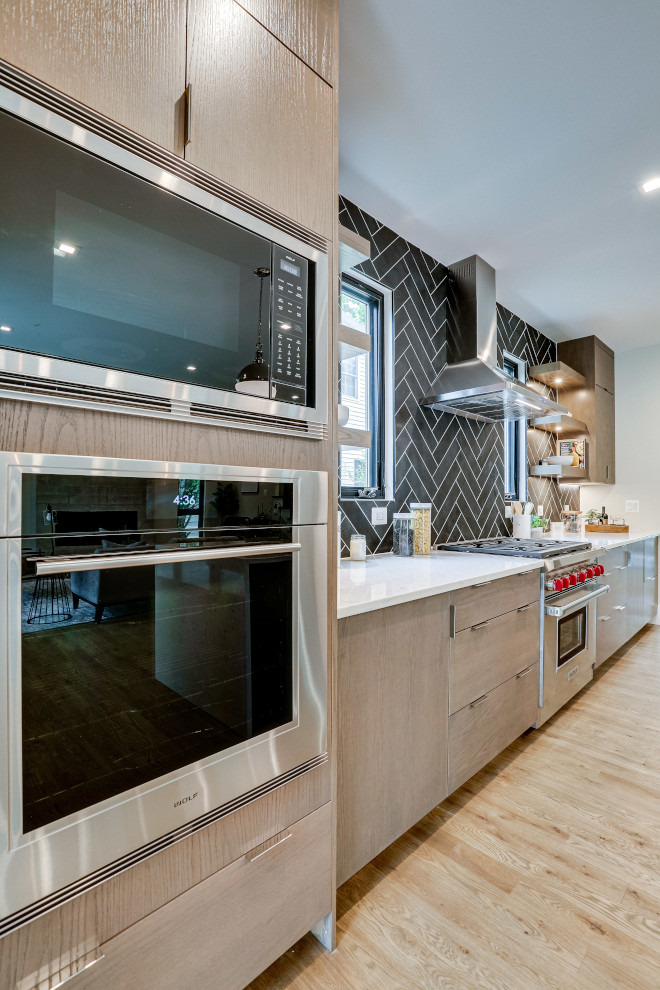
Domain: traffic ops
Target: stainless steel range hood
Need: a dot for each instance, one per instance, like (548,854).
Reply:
(471,384)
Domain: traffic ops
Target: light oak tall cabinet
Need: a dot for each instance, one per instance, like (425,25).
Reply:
(220,905)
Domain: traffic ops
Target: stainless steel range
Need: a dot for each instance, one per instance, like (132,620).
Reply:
(569,591)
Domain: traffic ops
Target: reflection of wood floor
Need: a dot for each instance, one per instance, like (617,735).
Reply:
(96,721)
(543,871)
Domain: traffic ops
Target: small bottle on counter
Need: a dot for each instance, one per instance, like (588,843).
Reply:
(403,539)
(604,517)
(422,527)
(358,547)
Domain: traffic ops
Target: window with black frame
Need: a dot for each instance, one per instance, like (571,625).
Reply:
(361,391)
(514,439)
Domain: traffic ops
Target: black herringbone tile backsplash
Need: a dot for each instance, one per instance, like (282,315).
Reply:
(455,463)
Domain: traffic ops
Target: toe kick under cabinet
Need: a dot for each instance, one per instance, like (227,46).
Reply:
(493,671)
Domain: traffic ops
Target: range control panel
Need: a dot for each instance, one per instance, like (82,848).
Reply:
(289,326)
(567,580)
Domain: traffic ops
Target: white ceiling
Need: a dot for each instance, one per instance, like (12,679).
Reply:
(519,130)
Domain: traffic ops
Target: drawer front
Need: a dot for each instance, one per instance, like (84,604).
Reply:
(485,727)
(611,627)
(491,652)
(229,928)
(484,601)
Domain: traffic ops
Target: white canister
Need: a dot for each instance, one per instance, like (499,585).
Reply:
(358,547)
(522,527)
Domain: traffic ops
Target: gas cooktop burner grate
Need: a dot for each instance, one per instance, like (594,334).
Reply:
(507,545)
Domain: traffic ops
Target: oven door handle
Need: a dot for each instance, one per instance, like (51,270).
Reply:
(559,611)
(99,562)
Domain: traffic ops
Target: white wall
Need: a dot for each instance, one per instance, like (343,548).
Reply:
(637,411)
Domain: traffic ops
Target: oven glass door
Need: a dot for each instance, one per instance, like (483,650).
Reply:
(102,267)
(571,636)
(131,672)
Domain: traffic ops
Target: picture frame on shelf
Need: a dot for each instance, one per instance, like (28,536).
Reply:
(577,449)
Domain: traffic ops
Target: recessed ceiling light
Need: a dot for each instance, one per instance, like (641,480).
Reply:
(67,248)
(5,328)
(652,184)
(191,367)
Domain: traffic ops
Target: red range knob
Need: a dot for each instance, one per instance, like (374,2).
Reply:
(582,577)
(565,582)
(557,584)
(590,572)
(599,569)
(572,580)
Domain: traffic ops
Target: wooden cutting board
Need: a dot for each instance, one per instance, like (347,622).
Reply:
(606,529)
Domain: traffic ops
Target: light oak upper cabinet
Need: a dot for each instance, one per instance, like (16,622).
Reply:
(593,403)
(124,58)
(307,27)
(261,119)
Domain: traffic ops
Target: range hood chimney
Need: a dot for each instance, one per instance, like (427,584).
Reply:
(471,384)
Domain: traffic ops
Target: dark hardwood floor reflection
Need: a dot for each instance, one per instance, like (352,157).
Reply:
(541,872)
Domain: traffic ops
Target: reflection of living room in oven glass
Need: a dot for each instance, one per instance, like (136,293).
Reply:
(188,501)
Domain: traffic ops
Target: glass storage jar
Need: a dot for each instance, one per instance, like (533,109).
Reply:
(358,547)
(422,525)
(402,534)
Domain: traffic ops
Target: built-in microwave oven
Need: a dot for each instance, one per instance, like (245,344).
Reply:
(129,277)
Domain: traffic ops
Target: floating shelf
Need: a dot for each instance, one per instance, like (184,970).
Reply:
(353,438)
(556,374)
(353,249)
(352,342)
(558,471)
(559,424)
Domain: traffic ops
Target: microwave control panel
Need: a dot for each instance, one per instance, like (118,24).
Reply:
(289,326)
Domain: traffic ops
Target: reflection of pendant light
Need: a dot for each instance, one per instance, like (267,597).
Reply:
(255,378)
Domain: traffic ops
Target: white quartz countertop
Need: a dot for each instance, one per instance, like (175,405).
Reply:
(383,579)
(620,539)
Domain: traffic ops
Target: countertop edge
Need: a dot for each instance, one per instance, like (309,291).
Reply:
(359,608)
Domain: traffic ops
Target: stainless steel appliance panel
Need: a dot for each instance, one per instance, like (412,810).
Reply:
(37,862)
(174,310)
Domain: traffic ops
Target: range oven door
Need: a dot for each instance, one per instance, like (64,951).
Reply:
(152,688)
(569,645)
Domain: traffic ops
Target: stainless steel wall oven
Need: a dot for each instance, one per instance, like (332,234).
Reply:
(130,277)
(163,656)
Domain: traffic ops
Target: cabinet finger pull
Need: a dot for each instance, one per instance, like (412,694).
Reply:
(480,625)
(187,115)
(484,584)
(605,618)
(524,608)
(266,846)
(524,673)
(479,701)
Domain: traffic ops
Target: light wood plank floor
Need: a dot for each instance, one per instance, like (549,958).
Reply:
(543,871)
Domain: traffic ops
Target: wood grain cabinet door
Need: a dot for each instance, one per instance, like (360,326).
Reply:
(124,58)
(603,472)
(260,119)
(392,680)
(307,27)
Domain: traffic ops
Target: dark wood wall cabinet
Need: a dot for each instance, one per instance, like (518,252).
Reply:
(593,402)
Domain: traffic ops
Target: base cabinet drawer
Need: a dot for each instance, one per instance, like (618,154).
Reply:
(481,730)
(480,602)
(489,653)
(611,628)
(229,928)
